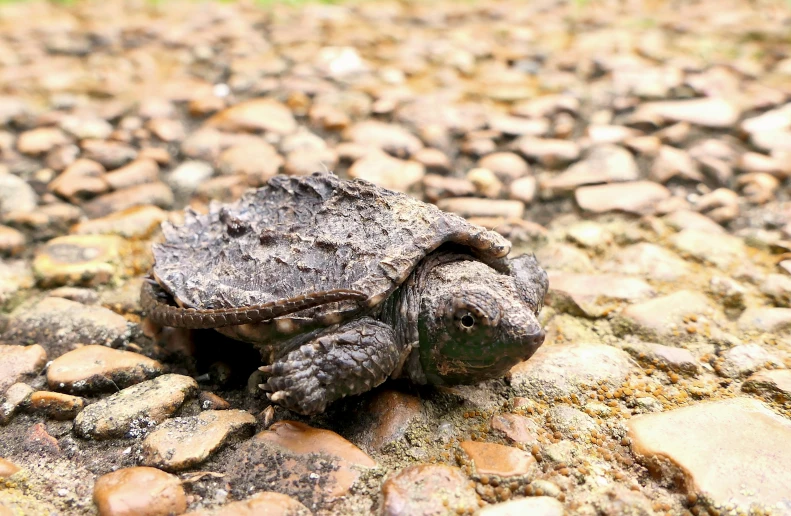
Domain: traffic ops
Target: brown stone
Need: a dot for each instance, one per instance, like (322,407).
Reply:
(498,460)
(12,242)
(664,357)
(551,153)
(56,405)
(437,187)
(78,260)
(776,384)
(392,412)
(664,315)
(133,410)
(603,164)
(82,179)
(158,194)
(388,172)
(258,162)
(92,368)
(110,154)
(428,489)
(41,140)
(139,491)
(166,129)
(135,222)
(260,504)
(687,219)
(594,295)
(7,468)
(15,397)
(18,362)
(507,165)
(518,429)
(715,448)
(210,401)
(138,172)
(390,138)
(183,442)
(639,197)
(476,207)
(256,115)
(719,249)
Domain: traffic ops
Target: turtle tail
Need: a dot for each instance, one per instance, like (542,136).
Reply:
(159,312)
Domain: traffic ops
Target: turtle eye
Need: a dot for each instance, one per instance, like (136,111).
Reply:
(467,321)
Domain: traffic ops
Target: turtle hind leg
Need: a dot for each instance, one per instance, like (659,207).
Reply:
(350,359)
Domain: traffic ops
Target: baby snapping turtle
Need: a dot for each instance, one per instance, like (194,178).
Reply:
(342,284)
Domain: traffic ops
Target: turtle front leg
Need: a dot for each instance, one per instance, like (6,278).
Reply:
(351,359)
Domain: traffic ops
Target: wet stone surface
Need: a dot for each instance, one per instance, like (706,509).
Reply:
(642,153)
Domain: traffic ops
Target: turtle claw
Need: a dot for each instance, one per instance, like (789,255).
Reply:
(267,369)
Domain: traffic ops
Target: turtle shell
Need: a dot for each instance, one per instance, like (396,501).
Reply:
(301,235)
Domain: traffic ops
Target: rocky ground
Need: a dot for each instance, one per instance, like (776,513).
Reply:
(642,149)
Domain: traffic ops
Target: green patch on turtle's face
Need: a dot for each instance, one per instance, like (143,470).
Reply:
(476,331)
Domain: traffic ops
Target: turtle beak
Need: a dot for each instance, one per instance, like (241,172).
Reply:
(524,334)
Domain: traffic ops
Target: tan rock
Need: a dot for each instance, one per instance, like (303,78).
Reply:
(391,138)
(15,397)
(99,368)
(518,429)
(498,460)
(257,162)
(673,163)
(551,153)
(776,384)
(183,442)
(260,504)
(713,447)
(648,260)
(78,260)
(56,405)
(507,165)
(12,242)
(135,222)
(139,491)
(534,506)
(639,197)
(388,172)
(7,468)
(18,362)
(256,115)
(706,112)
(745,359)
(82,179)
(392,412)
(594,295)
(158,194)
(476,207)
(437,187)
(41,140)
(428,489)
(721,250)
(667,358)
(603,164)
(132,410)
(138,172)
(773,320)
(687,219)
(666,315)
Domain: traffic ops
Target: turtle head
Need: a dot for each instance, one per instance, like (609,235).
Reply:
(476,323)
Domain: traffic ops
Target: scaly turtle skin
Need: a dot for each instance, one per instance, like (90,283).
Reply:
(342,284)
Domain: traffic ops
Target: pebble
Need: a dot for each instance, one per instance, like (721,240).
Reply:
(56,405)
(388,172)
(7,468)
(20,362)
(392,412)
(777,287)
(78,260)
(523,189)
(570,422)
(260,504)
(256,115)
(15,397)
(46,222)
(16,195)
(41,140)
(743,360)
(667,358)
(664,317)
(433,159)
(638,197)
(258,162)
(562,370)
(498,460)
(139,491)
(188,176)
(138,172)
(486,182)
(82,179)
(774,320)
(389,138)
(476,207)
(508,166)
(136,222)
(693,438)
(593,295)
(158,194)
(437,187)
(719,249)
(133,410)
(551,153)
(774,383)
(687,219)
(184,442)
(564,257)
(428,489)
(518,429)
(210,401)
(648,260)
(109,154)
(672,163)
(706,112)
(534,506)
(603,164)
(12,242)
(92,369)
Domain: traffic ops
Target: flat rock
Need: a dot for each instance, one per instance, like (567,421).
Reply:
(561,370)
(533,505)
(552,153)
(133,410)
(638,197)
(56,405)
(388,172)
(667,358)
(498,460)
(776,384)
(391,413)
(778,288)
(157,193)
(59,324)
(772,320)
(707,112)
(20,362)
(745,359)
(256,115)
(135,222)
(41,140)
(603,164)
(258,162)
(720,249)
(648,260)
(564,257)
(688,219)
(517,428)
(90,369)
(7,468)
(15,397)
(476,207)
(666,315)
(594,295)
(138,172)
(507,166)
(78,260)
(110,154)
(391,138)
(673,163)
(139,491)
(713,447)
(428,489)
(16,195)
(12,242)
(183,442)
(260,504)
(570,422)
(15,275)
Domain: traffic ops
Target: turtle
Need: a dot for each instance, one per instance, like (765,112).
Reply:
(342,284)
